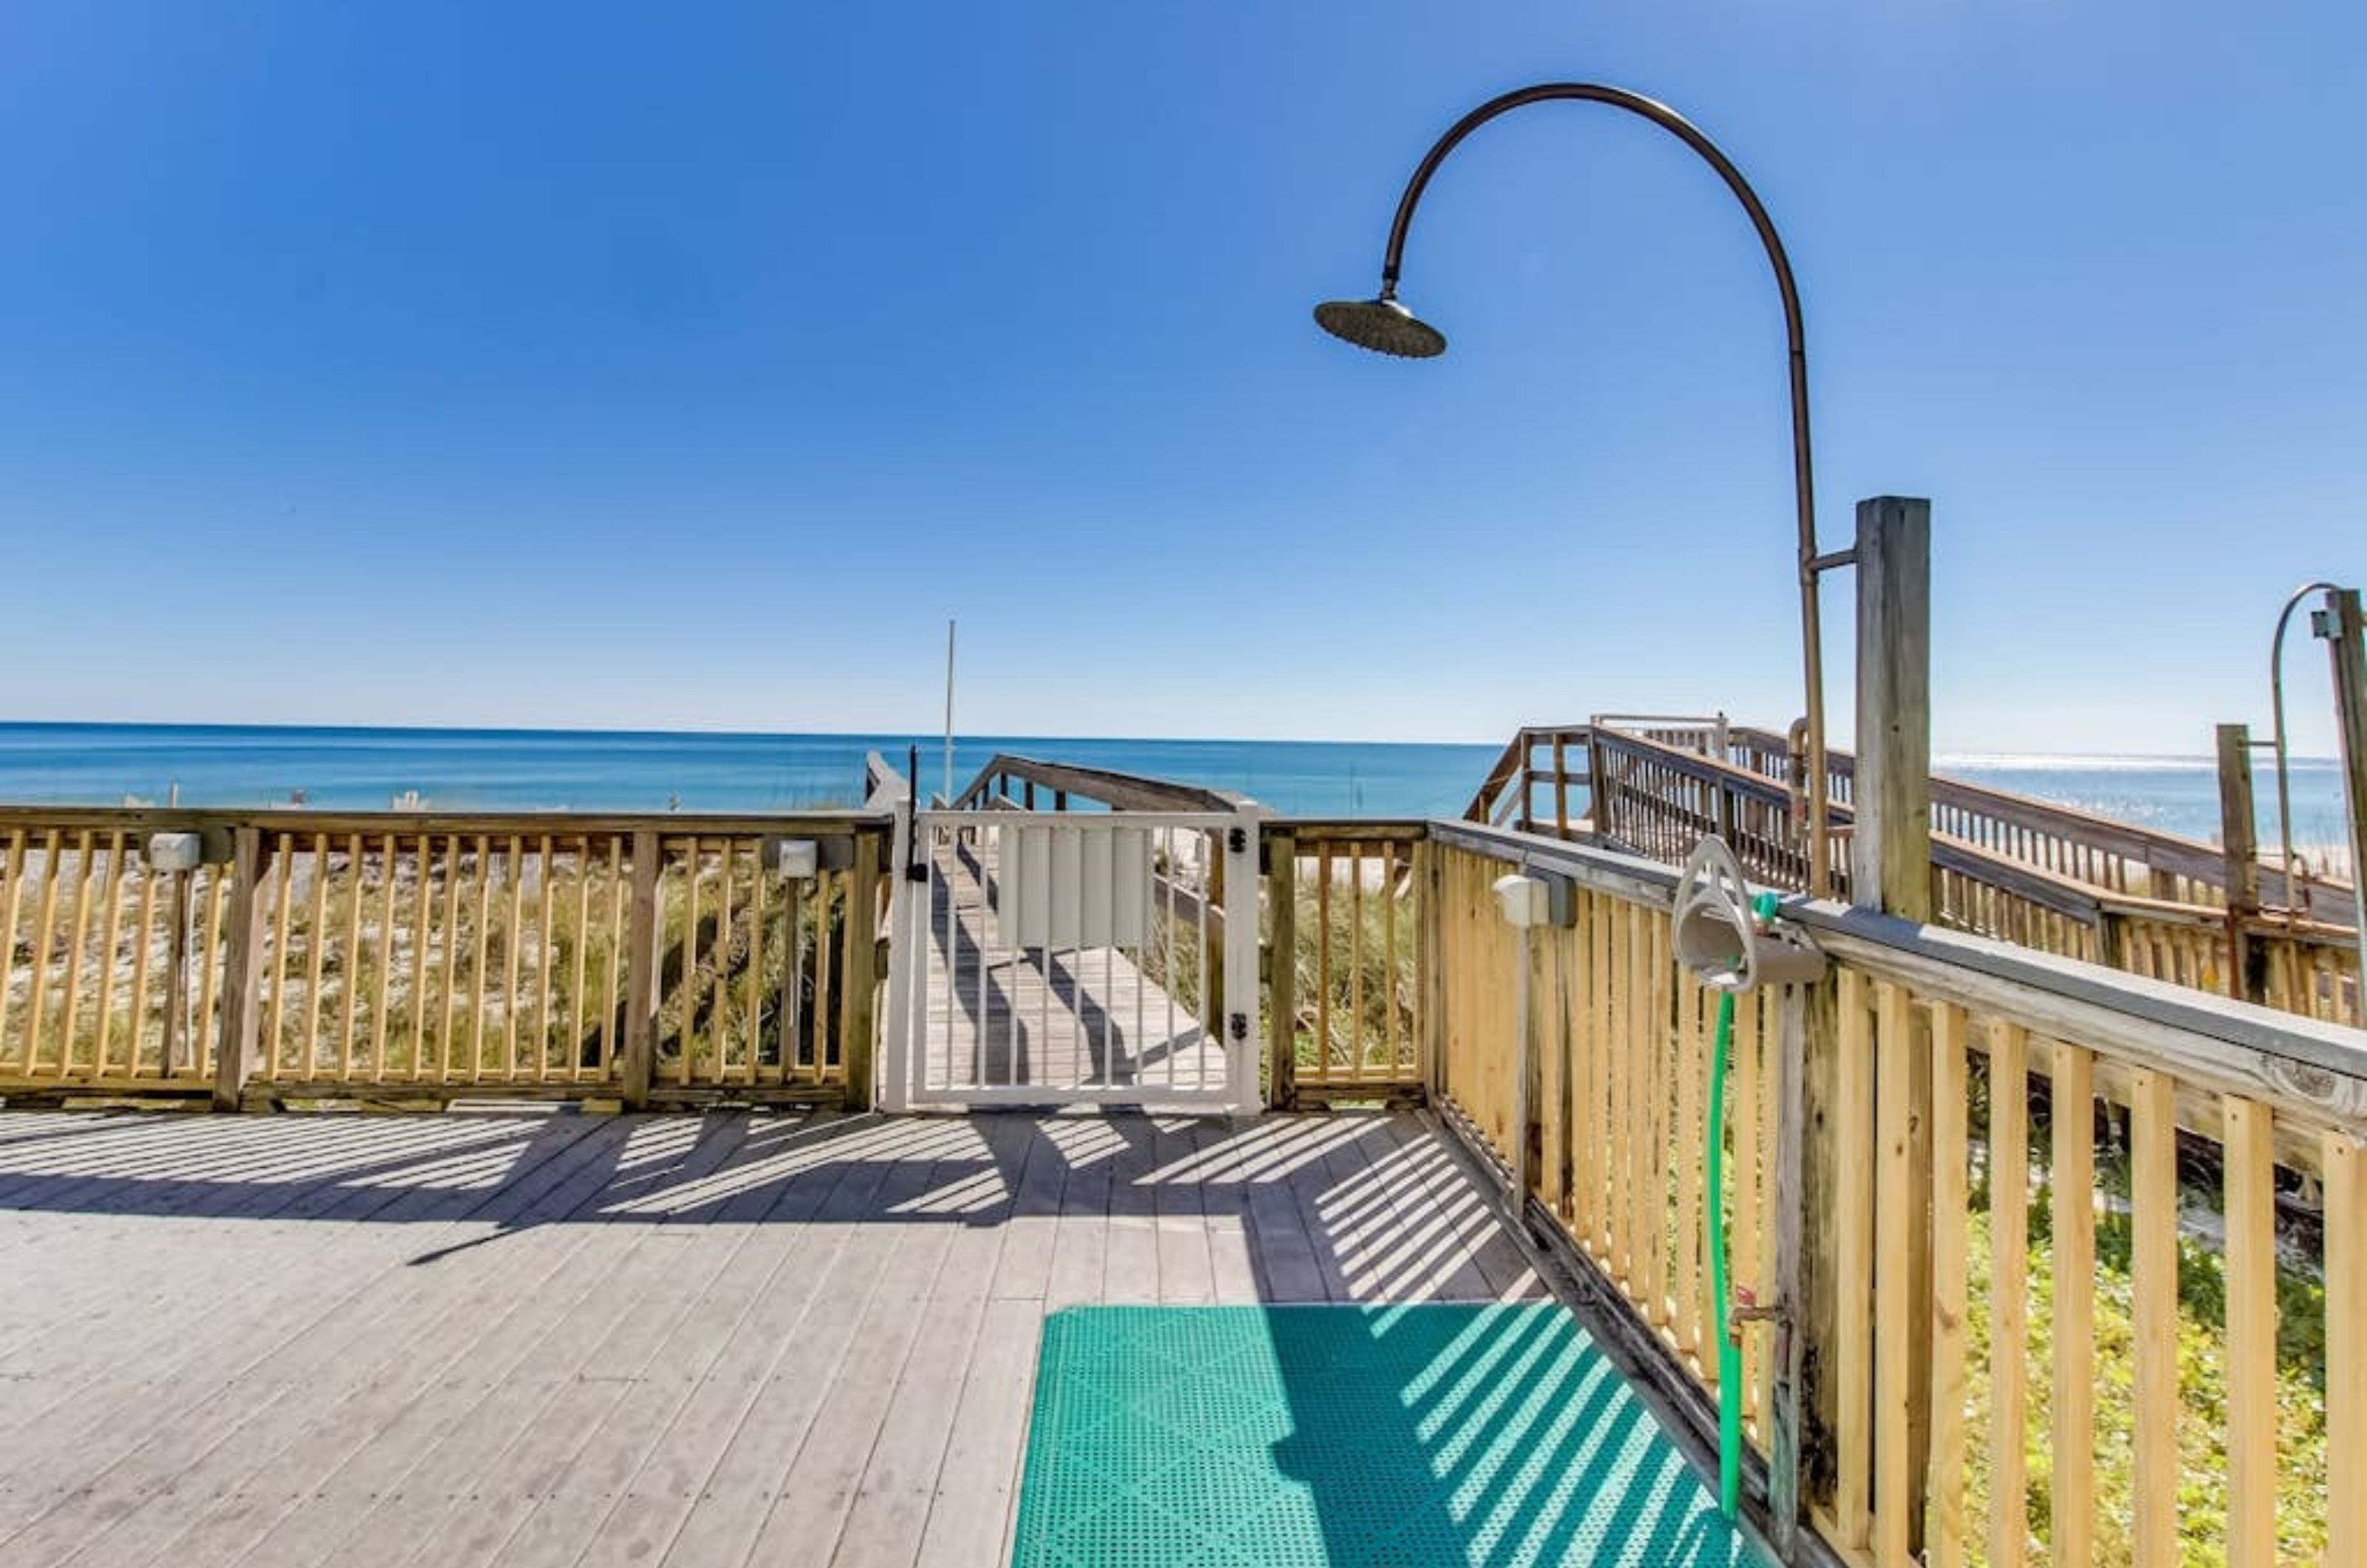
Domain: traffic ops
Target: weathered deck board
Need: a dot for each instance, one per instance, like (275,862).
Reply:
(553,1341)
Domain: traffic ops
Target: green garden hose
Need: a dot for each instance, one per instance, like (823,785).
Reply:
(1729,1354)
(1729,1351)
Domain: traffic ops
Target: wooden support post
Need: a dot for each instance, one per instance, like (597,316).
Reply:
(2248,972)
(1429,963)
(242,969)
(1600,808)
(1890,870)
(861,999)
(1282,969)
(1890,855)
(643,931)
(1561,787)
(2345,630)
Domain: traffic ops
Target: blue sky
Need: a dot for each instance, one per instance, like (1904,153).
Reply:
(687,366)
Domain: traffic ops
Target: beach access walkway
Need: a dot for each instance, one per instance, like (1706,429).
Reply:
(996,1015)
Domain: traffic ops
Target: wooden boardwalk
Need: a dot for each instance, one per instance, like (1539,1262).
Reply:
(999,1017)
(550,1339)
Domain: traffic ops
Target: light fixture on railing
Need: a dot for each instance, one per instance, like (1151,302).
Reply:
(1385,325)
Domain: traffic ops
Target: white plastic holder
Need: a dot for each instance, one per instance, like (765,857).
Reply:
(1529,900)
(1715,933)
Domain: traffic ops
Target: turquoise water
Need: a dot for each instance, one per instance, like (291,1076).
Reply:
(103,765)
(583,770)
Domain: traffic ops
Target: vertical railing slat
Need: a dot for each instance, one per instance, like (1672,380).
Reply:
(1853,1222)
(350,974)
(78,922)
(1945,1538)
(546,952)
(2074,1178)
(2346,1349)
(112,933)
(146,934)
(2153,1221)
(1894,1305)
(2249,1199)
(2009,1293)
(483,879)
(512,952)
(316,951)
(423,904)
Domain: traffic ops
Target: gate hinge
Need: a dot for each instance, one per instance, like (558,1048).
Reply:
(1241,1027)
(1237,839)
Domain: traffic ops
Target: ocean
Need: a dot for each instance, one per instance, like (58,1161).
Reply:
(460,769)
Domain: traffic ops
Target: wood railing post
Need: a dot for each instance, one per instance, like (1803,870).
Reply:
(643,931)
(1282,969)
(1890,855)
(1890,870)
(242,968)
(2345,629)
(860,1003)
(2248,976)
(1430,957)
(1561,787)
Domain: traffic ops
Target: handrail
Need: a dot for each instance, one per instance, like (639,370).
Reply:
(884,785)
(1516,773)
(1861,1101)
(438,954)
(1920,951)
(1119,791)
(2170,853)
(499,824)
(1509,766)
(2038,886)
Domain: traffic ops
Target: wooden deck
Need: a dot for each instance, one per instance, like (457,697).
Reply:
(553,1339)
(998,1016)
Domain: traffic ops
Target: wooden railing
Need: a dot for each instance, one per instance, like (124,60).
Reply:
(2074,1264)
(1660,800)
(2075,845)
(1537,756)
(1346,991)
(1018,780)
(408,956)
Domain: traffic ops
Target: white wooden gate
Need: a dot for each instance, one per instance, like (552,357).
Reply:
(1074,958)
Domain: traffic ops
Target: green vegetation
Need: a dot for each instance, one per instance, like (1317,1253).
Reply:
(2201,1373)
(523,979)
(1356,980)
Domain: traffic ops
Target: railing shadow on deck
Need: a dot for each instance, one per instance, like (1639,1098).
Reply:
(1368,1208)
(1340,1178)
(1472,1467)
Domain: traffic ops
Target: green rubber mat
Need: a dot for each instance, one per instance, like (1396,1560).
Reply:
(1306,1436)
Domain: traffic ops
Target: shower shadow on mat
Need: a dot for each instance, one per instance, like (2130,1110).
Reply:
(1310,1437)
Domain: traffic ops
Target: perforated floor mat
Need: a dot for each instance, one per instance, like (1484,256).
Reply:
(1300,1437)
